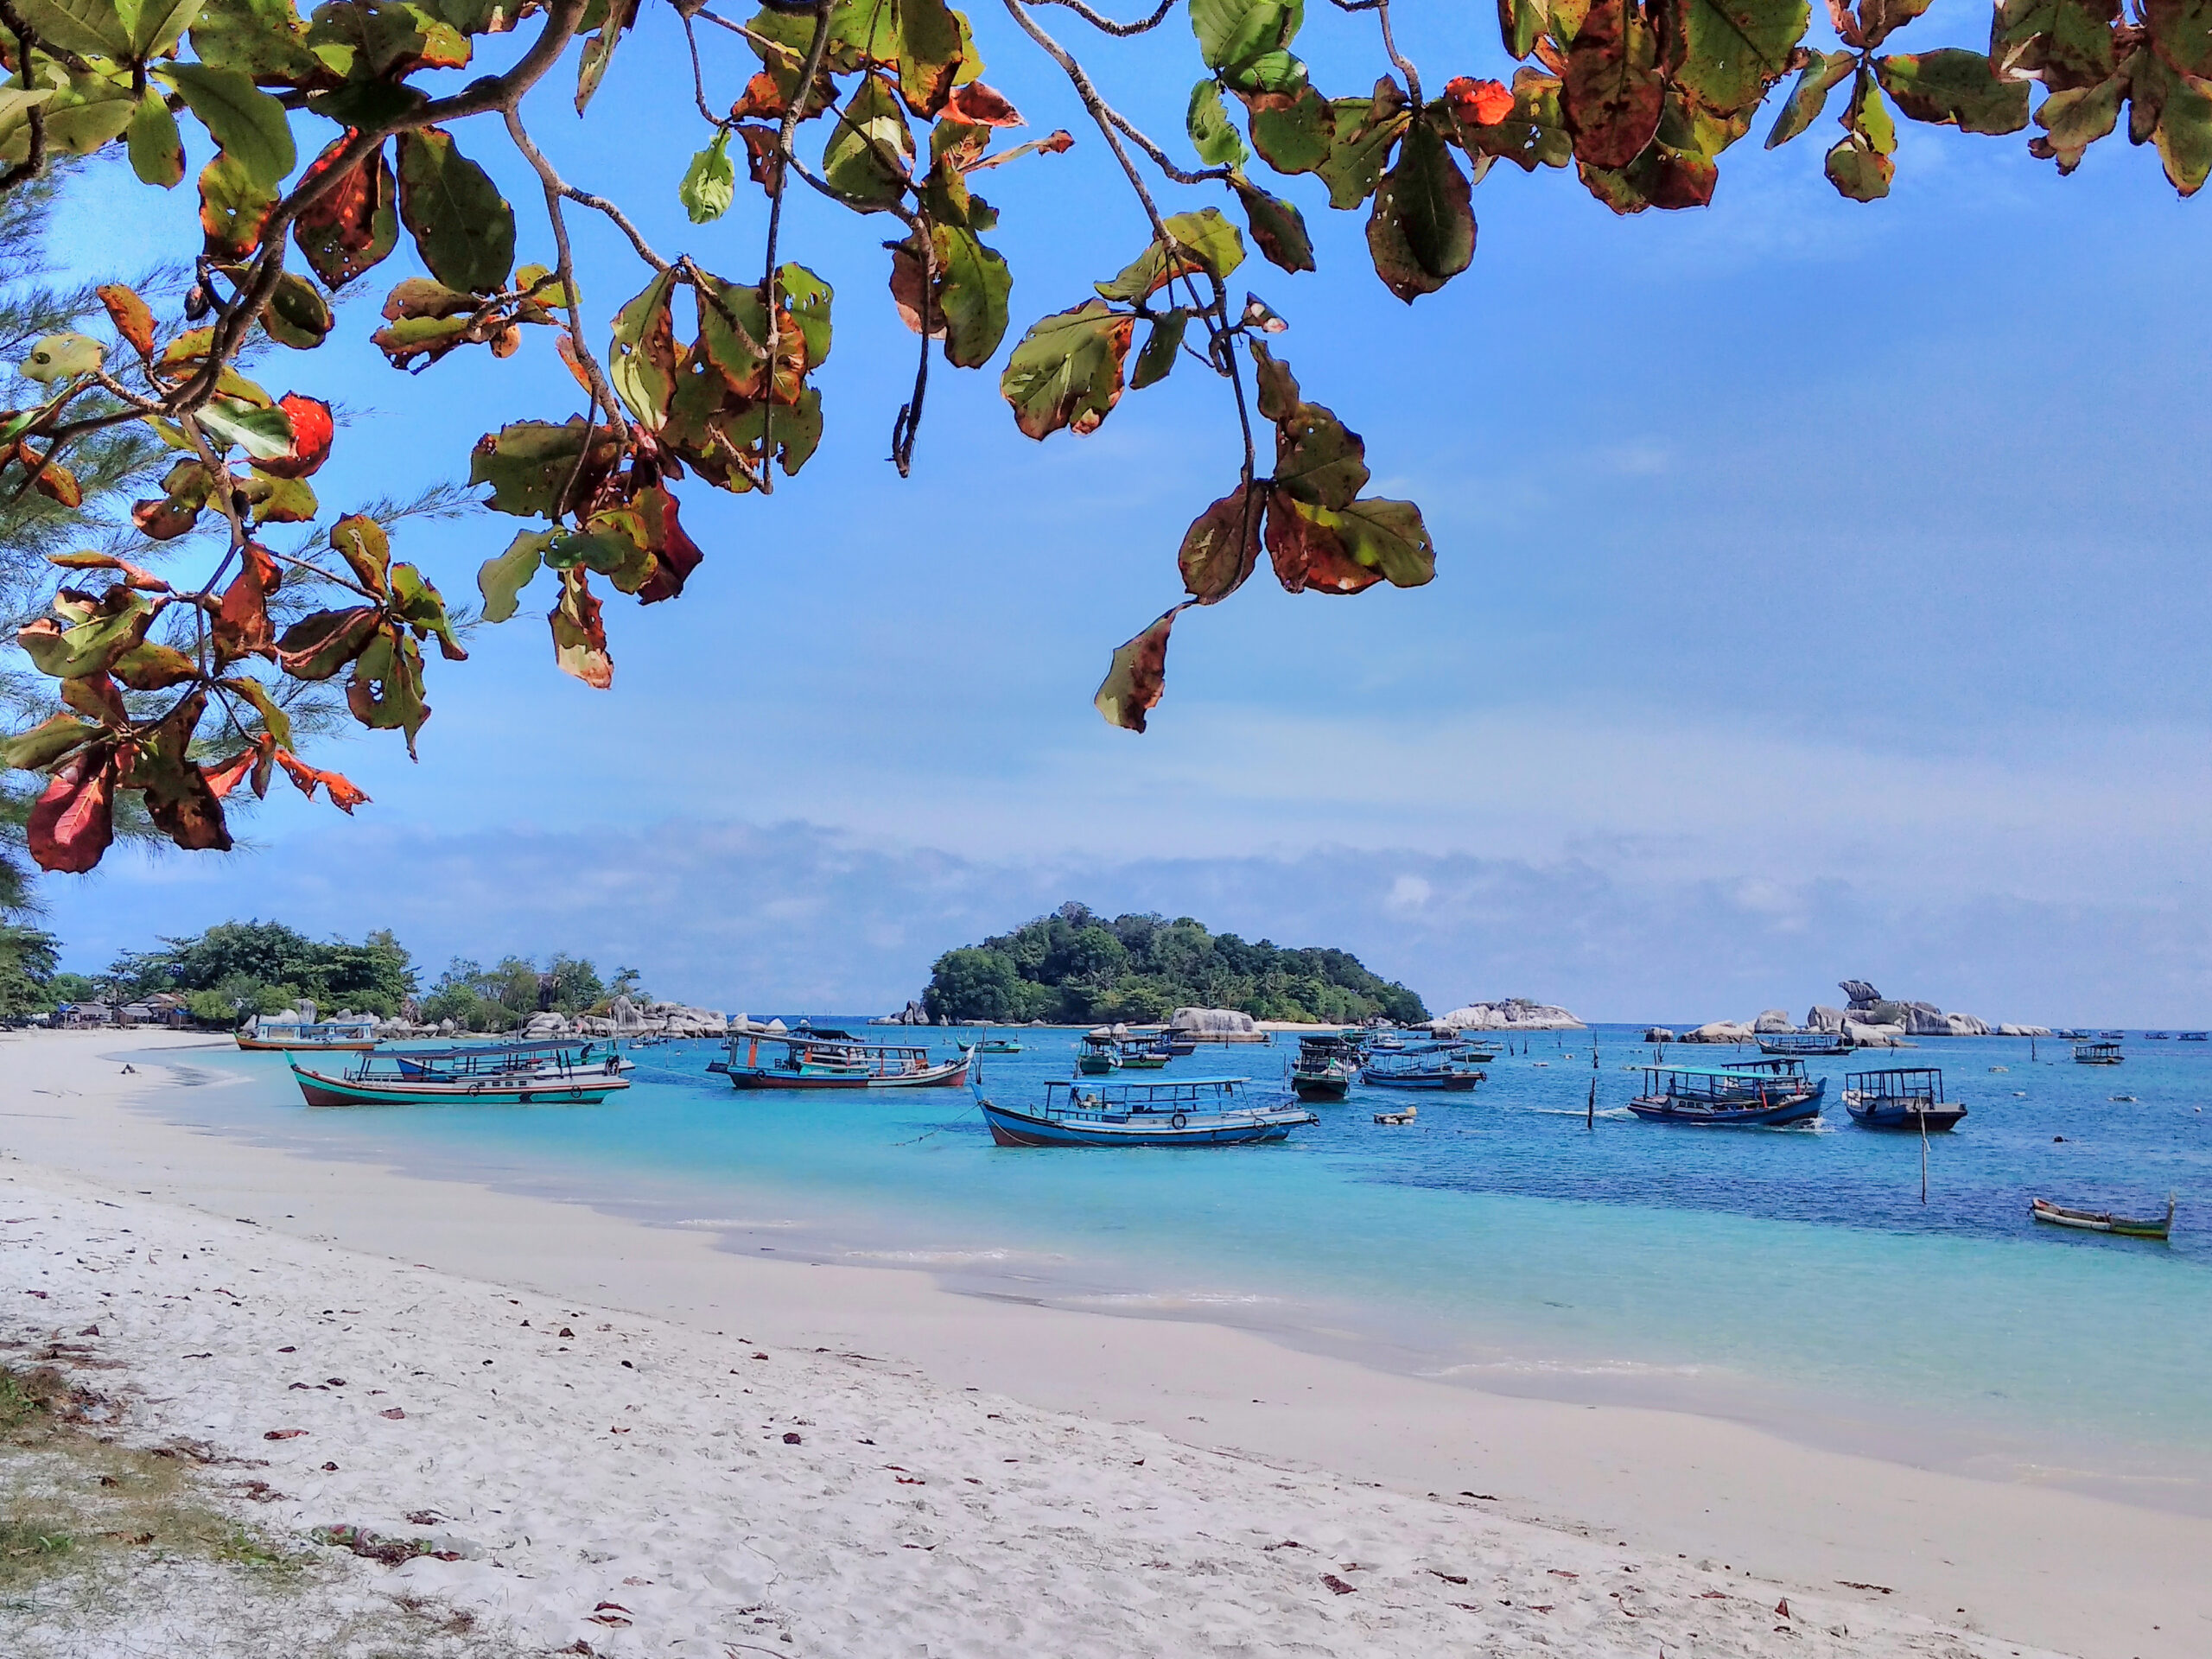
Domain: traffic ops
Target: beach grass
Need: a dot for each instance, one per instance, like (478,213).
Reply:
(110,1550)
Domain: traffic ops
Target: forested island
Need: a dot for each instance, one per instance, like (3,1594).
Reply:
(1074,967)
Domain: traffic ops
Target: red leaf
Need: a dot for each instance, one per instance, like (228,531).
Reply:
(354,224)
(763,100)
(73,821)
(132,317)
(1308,554)
(675,555)
(343,794)
(982,107)
(223,779)
(1479,103)
(311,434)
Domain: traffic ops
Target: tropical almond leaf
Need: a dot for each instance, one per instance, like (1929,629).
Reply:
(246,123)
(43,744)
(1956,88)
(354,224)
(463,226)
(72,822)
(1067,370)
(1613,88)
(1221,546)
(1822,73)
(1137,677)
(1318,459)
(1218,144)
(156,147)
(501,580)
(1421,231)
(1277,226)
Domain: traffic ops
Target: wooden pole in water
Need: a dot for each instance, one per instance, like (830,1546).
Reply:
(1923,1157)
(1590,1113)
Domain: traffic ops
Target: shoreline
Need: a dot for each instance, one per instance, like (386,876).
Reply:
(2074,1572)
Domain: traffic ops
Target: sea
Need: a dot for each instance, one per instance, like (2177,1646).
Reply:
(1521,1239)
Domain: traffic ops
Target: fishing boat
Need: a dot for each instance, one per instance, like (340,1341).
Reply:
(998,1046)
(484,1074)
(1751,1094)
(1429,1070)
(1145,1053)
(2194,1036)
(283,1036)
(1805,1042)
(1183,1112)
(2104,1221)
(1099,1054)
(1324,1068)
(833,1059)
(2158,1036)
(1901,1097)
(2097,1054)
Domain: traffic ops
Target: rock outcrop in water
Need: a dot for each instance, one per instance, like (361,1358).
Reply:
(1513,1013)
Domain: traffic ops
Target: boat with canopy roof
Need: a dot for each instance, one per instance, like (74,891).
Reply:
(1186,1112)
(576,1072)
(1749,1094)
(285,1036)
(835,1059)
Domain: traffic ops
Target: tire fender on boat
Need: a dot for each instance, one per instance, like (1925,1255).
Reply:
(1179,1121)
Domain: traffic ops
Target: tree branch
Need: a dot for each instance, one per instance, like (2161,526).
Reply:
(1106,25)
(1404,63)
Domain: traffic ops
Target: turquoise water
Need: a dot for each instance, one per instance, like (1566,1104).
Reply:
(1788,1277)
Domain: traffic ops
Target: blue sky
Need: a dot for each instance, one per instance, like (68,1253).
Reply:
(1819,594)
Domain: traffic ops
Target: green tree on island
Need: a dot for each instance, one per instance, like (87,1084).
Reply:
(1074,967)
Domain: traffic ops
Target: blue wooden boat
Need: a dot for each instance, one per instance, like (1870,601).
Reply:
(833,1059)
(1432,1066)
(1752,1093)
(1901,1097)
(1805,1042)
(1188,1112)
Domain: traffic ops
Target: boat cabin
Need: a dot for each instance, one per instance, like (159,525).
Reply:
(1903,1084)
(558,1056)
(1117,1102)
(1743,1083)
(2097,1054)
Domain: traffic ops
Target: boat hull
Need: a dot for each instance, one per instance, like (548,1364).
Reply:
(1319,1088)
(1455,1083)
(2092,1221)
(318,1090)
(1937,1121)
(1776,1116)
(1011,1129)
(952,1074)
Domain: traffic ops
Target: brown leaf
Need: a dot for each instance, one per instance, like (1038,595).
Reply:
(1308,554)
(1137,676)
(282,1433)
(132,317)
(1613,89)
(982,107)
(242,626)
(579,635)
(1337,1586)
(1221,546)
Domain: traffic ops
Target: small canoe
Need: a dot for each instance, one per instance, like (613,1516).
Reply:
(2104,1221)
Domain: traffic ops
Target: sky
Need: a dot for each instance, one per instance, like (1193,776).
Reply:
(1819,596)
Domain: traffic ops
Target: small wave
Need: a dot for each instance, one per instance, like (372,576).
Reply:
(731,1223)
(947,1258)
(1171,1299)
(1564,1368)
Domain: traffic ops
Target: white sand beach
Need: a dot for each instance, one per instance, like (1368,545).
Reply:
(630,1442)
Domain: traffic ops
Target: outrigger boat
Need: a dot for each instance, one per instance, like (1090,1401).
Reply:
(1805,1042)
(1187,1112)
(1904,1097)
(833,1059)
(2097,1054)
(2103,1221)
(336,1036)
(1752,1093)
(1325,1070)
(485,1074)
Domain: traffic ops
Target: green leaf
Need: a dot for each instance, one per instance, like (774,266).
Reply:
(1221,547)
(360,541)
(2181,34)
(2068,43)
(233,206)
(298,315)
(1277,226)
(384,691)
(1291,131)
(1421,233)
(1347,551)
(86,647)
(1207,241)
(644,365)
(1161,347)
(1067,370)
(501,580)
(598,49)
(1318,459)
(418,604)
(1364,132)
(1137,675)
(263,433)
(157,25)
(1858,171)
(274,719)
(529,463)
(88,112)
(1235,32)
(263,39)
(1217,141)
(280,500)
(156,148)
(1726,54)
(1954,88)
(38,748)
(1823,73)
(2184,133)
(92,28)
(62,357)
(795,432)
(245,122)
(931,50)
(1520,22)
(710,184)
(973,284)
(463,226)
(2074,120)
(870,154)
(364,42)
(807,297)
